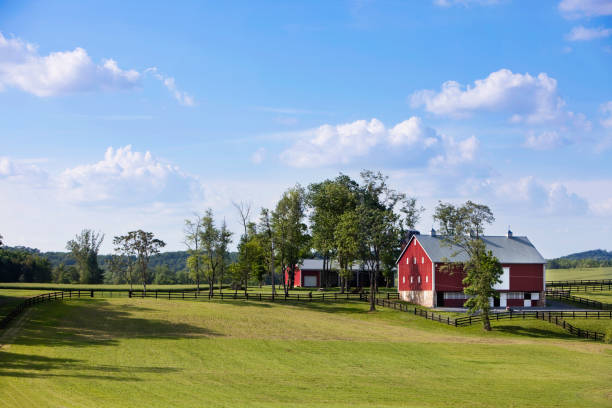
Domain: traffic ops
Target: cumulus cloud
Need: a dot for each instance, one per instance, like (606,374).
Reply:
(341,144)
(331,144)
(125,176)
(525,97)
(456,152)
(21,171)
(64,72)
(59,72)
(585,8)
(606,110)
(581,33)
(553,199)
(182,97)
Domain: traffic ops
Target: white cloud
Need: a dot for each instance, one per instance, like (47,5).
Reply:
(258,156)
(552,199)
(21,171)
(545,140)
(411,132)
(63,72)
(341,144)
(581,33)
(456,152)
(585,8)
(523,96)
(182,97)
(59,72)
(606,109)
(330,144)
(125,176)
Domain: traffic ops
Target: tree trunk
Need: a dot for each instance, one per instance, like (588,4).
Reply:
(486,323)
(341,285)
(372,292)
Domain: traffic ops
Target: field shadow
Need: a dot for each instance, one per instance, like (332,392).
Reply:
(34,366)
(341,306)
(98,323)
(533,332)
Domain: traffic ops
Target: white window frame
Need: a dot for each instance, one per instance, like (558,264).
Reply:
(422,260)
(411,279)
(419,279)
(427,279)
(415,260)
(403,279)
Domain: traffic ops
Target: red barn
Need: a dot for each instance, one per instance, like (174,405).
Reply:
(421,281)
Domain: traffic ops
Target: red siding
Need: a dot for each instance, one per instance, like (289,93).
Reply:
(410,269)
(523,278)
(526,277)
(299,277)
(449,282)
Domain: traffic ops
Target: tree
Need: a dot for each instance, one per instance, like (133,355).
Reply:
(267,239)
(143,245)
(329,200)
(290,236)
(346,239)
(214,246)
(461,228)
(482,273)
(1,240)
(380,226)
(195,261)
(225,239)
(84,249)
(122,264)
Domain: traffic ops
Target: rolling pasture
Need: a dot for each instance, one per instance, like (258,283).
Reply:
(122,352)
(578,273)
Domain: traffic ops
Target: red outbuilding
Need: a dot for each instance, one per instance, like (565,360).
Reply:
(421,280)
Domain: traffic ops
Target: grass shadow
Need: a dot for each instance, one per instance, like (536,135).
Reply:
(98,323)
(533,332)
(34,366)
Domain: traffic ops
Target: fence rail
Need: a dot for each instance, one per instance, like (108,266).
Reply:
(29,302)
(567,296)
(552,317)
(281,296)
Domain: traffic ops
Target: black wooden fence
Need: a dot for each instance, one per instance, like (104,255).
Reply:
(585,285)
(269,297)
(567,296)
(552,317)
(45,297)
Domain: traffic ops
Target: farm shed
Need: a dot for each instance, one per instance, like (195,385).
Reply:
(421,280)
(309,273)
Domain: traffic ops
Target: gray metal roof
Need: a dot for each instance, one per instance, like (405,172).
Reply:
(507,249)
(317,265)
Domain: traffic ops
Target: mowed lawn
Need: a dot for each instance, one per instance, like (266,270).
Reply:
(578,273)
(158,353)
(10,298)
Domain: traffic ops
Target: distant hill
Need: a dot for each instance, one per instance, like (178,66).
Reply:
(596,254)
(175,260)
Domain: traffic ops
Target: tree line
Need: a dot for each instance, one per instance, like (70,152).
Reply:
(342,221)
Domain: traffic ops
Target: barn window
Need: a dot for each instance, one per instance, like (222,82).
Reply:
(422,259)
(403,279)
(411,279)
(419,279)
(427,279)
(415,242)
(415,260)
(407,260)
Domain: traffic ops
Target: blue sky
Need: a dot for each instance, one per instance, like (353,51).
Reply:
(118,116)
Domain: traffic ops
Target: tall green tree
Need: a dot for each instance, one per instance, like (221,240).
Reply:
(267,241)
(380,224)
(290,232)
(123,262)
(214,242)
(328,201)
(84,249)
(143,245)
(461,228)
(346,239)
(195,262)
(225,239)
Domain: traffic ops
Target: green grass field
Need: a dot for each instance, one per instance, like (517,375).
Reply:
(157,353)
(11,298)
(578,273)
(600,296)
